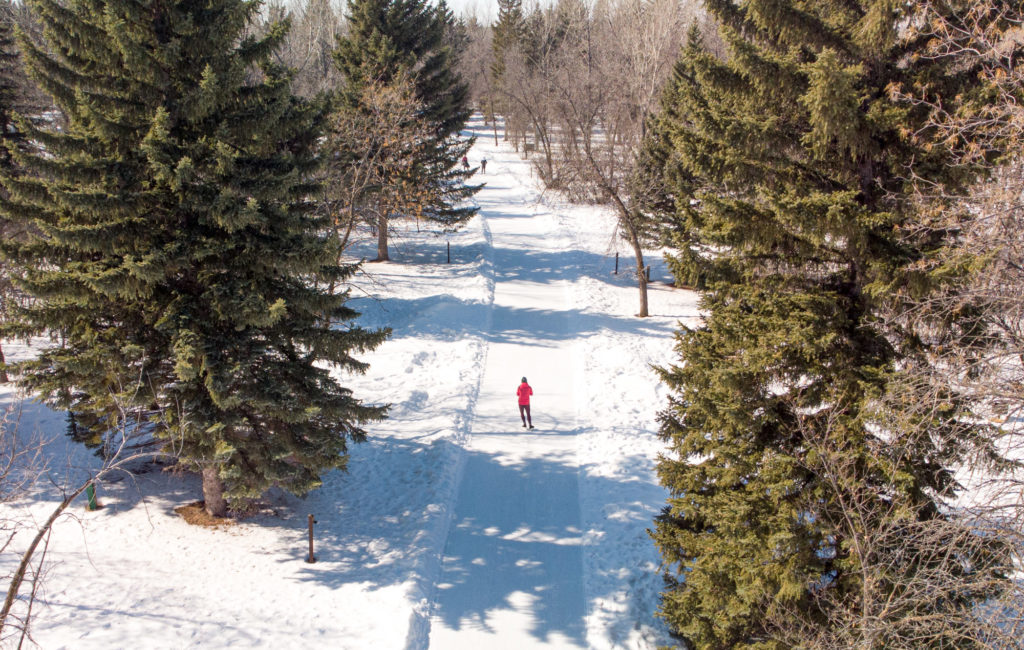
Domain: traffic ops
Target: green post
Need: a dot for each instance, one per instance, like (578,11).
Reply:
(90,493)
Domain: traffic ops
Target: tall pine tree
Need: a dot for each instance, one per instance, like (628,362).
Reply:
(8,81)
(9,137)
(387,41)
(791,167)
(660,178)
(509,33)
(174,252)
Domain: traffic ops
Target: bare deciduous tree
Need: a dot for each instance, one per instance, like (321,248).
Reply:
(610,78)
(976,315)
(926,578)
(372,152)
(990,35)
(308,46)
(474,63)
(577,91)
(529,109)
(972,314)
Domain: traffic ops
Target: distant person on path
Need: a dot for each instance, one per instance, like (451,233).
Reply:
(465,162)
(483,165)
(524,391)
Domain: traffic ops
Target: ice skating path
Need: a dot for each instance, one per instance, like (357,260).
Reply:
(512,570)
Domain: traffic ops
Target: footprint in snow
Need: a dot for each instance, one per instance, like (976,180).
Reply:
(419,359)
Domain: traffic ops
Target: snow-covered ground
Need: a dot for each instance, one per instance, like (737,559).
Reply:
(454,527)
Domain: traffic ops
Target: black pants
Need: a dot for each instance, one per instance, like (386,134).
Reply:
(524,412)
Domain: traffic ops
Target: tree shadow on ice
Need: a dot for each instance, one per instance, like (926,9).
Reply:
(515,544)
(435,250)
(379,522)
(524,264)
(547,266)
(514,538)
(538,326)
(508,423)
(440,316)
(446,318)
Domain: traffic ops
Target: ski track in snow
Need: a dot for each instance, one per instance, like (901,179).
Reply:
(453,528)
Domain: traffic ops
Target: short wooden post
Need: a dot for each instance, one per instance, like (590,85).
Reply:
(312,558)
(616,263)
(647,272)
(449,252)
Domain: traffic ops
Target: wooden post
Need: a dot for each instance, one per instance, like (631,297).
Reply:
(449,252)
(616,263)
(312,558)
(647,272)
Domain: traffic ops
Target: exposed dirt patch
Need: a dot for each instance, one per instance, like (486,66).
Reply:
(195,514)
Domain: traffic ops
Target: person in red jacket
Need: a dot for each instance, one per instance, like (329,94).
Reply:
(524,391)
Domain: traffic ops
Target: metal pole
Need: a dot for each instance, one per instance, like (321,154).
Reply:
(312,558)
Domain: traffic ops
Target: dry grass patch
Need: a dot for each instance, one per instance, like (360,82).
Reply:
(196,515)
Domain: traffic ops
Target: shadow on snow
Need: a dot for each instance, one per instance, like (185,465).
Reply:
(445,317)
(451,319)
(516,555)
(521,553)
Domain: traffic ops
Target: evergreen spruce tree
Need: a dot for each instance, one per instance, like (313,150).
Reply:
(8,81)
(174,252)
(791,167)
(456,33)
(387,41)
(661,179)
(509,33)
(10,137)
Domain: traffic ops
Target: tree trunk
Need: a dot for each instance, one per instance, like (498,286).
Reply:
(626,220)
(349,225)
(343,244)
(3,371)
(213,492)
(641,273)
(382,239)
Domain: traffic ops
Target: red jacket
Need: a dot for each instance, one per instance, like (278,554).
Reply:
(524,391)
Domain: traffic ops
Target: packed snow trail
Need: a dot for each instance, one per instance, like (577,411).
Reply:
(512,572)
